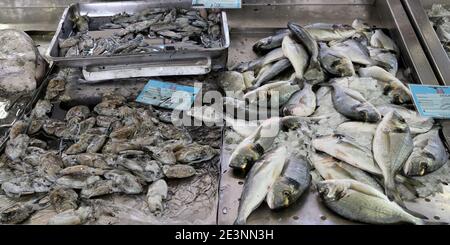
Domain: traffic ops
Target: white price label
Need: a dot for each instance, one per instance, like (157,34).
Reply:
(219,4)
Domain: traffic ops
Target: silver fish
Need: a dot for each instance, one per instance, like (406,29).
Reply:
(314,71)
(269,43)
(416,123)
(381,40)
(360,202)
(394,86)
(271,57)
(252,148)
(364,132)
(392,145)
(429,154)
(355,51)
(297,56)
(348,150)
(278,93)
(353,105)
(294,180)
(302,103)
(270,71)
(259,180)
(323,32)
(332,169)
(336,63)
(385,59)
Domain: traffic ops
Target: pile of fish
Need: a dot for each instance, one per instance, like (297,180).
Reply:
(337,87)
(440,18)
(132,33)
(116,147)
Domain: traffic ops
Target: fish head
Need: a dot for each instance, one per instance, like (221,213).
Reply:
(398,123)
(399,95)
(330,191)
(283,193)
(368,114)
(418,164)
(245,157)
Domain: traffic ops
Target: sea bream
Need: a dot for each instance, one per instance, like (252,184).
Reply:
(330,168)
(288,188)
(429,154)
(336,62)
(302,103)
(314,72)
(260,179)
(399,91)
(353,105)
(323,32)
(392,145)
(297,55)
(252,148)
(270,71)
(359,202)
(416,123)
(275,93)
(272,42)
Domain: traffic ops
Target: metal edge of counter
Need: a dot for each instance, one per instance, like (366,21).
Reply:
(430,42)
(403,31)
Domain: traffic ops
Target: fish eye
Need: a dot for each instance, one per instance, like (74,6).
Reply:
(286,193)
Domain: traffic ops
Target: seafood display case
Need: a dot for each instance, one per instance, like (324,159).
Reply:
(212,195)
(166,59)
(247,27)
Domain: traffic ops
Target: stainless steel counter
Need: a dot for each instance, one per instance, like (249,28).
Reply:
(435,52)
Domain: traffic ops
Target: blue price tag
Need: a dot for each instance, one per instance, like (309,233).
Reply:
(168,95)
(219,4)
(431,101)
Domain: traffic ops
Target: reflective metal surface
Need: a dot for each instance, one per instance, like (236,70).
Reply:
(218,56)
(429,39)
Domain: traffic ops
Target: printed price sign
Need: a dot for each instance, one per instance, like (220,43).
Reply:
(168,95)
(431,101)
(219,4)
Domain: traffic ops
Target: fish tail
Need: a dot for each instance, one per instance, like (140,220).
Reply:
(314,72)
(392,192)
(240,221)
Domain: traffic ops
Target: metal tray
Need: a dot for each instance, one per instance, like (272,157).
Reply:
(96,11)
(247,26)
(435,52)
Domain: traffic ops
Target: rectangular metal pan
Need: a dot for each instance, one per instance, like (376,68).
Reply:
(218,56)
(259,19)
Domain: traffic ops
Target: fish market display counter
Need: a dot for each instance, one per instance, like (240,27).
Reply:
(261,19)
(121,162)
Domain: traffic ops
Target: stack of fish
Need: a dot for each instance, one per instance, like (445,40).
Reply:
(117,147)
(440,18)
(134,32)
(365,141)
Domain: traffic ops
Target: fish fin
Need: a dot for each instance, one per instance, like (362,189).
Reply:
(258,149)
(393,194)
(239,221)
